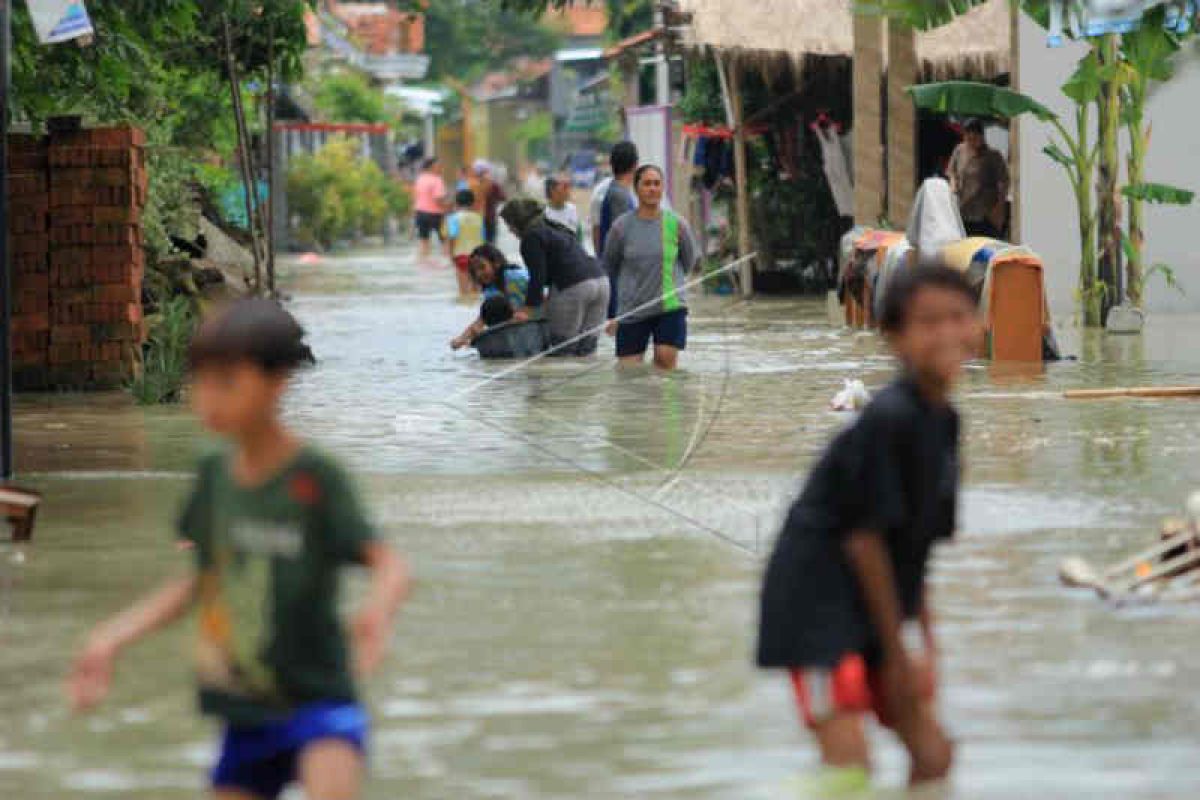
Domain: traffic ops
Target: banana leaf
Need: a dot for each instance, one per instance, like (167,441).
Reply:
(1159,193)
(977,100)
(1150,48)
(921,15)
(1086,83)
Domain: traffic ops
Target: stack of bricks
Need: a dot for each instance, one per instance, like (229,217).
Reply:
(92,263)
(29,204)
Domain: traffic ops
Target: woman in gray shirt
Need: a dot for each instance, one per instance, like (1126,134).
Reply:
(647,255)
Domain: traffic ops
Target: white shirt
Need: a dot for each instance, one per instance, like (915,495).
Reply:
(567,216)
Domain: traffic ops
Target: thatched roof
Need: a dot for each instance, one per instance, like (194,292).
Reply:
(976,43)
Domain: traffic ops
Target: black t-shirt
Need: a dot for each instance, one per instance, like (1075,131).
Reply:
(894,470)
(554,258)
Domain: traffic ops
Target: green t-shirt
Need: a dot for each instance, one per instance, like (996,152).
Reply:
(268,558)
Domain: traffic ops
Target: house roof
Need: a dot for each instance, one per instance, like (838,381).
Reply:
(977,42)
(581,21)
(496,84)
(634,42)
(312,28)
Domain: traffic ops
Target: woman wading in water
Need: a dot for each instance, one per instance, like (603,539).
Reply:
(647,255)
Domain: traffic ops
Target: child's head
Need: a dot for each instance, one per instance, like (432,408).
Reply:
(930,319)
(496,310)
(240,360)
(558,190)
(465,199)
(485,264)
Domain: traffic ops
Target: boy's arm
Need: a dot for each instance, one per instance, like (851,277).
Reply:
(468,335)
(925,616)
(869,561)
(389,589)
(871,565)
(92,673)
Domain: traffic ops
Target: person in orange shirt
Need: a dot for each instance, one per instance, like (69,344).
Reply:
(429,195)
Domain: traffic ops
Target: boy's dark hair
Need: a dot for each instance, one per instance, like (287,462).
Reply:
(428,163)
(551,185)
(465,198)
(253,329)
(974,125)
(623,158)
(643,169)
(904,287)
(496,310)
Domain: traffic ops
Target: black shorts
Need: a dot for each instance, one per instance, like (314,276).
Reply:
(427,224)
(633,338)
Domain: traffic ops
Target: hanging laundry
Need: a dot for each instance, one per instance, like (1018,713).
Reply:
(1089,18)
(837,170)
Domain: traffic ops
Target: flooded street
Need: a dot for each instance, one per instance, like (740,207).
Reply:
(587,548)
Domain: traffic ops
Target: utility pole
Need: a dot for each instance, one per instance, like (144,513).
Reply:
(6,433)
(662,67)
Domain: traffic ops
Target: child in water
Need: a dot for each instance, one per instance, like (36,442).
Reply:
(464,232)
(504,287)
(844,591)
(270,521)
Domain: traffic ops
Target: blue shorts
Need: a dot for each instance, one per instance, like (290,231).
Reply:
(670,329)
(262,760)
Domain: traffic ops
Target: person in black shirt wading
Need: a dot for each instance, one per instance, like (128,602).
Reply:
(844,593)
(578,300)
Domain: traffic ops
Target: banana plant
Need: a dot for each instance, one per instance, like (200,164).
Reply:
(1148,52)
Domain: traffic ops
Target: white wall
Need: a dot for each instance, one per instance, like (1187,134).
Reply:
(1048,218)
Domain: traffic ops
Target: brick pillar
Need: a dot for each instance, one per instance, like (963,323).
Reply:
(29,202)
(98,188)
(869,181)
(901,122)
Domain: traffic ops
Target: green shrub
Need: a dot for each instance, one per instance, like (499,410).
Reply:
(336,194)
(165,356)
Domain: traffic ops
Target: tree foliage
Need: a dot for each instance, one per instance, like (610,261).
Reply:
(349,97)
(466,38)
(338,194)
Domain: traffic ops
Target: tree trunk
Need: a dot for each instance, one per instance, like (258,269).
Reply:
(741,177)
(902,72)
(244,154)
(1139,139)
(271,182)
(1089,291)
(1108,206)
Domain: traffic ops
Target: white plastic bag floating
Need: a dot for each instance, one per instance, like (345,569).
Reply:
(59,20)
(853,397)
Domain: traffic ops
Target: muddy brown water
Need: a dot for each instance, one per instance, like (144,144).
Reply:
(587,561)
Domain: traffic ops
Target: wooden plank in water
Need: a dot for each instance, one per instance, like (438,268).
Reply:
(1133,391)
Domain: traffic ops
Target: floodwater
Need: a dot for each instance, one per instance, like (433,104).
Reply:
(587,547)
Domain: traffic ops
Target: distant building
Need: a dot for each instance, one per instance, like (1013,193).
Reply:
(381,29)
(578,64)
(377,38)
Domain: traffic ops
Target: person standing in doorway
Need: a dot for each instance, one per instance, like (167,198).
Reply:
(979,177)
(647,256)
(613,196)
(429,195)
(559,207)
(489,196)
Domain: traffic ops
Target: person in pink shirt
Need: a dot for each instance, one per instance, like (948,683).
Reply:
(429,194)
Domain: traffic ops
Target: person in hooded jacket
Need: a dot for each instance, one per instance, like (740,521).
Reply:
(577,305)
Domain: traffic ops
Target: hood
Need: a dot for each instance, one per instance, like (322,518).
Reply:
(520,214)
(935,221)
